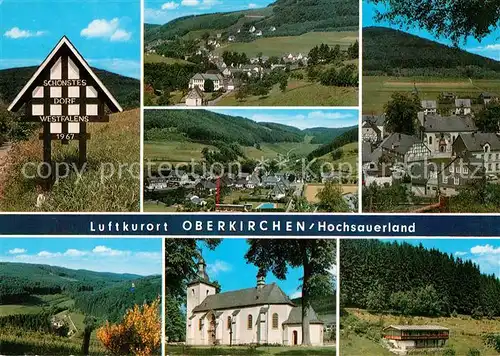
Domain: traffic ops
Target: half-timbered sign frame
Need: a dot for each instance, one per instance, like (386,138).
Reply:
(65,95)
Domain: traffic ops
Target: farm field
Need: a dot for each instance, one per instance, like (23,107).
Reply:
(311,190)
(36,304)
(299,93)
(377,90)
(111,145)
(156,58)
(278,46)
(241,350)
(465,333)
(173,151)
(153,207)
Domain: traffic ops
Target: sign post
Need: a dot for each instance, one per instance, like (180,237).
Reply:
(64,95)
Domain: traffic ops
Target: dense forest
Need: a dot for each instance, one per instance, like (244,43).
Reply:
(290,17)
(413,280)
(347,137)
(207,126)
(391,52)
(126,90)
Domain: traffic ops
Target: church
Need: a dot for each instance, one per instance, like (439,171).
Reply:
(258,315)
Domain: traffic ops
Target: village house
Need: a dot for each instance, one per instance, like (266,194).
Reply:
(257,315)
(429,107)
(252,29)
(463,107)
(195,97)
(231,38)
(373,129)
(272,29)
(446,177)
(404,338)
(487,98)
(482,146)
(404,148)
(440,132)
(198,80)
(258,33)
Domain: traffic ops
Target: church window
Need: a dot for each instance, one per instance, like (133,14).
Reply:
(192,291)
(200,324)
(250,322)
(430,140)
(275,321)
(228,322)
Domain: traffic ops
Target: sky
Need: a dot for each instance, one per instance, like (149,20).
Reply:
(484,252)
(227,265)
(135,256)
(488,47)
(163,11)
(106,33)
(300,118)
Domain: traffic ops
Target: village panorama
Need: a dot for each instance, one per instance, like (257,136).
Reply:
(285,54)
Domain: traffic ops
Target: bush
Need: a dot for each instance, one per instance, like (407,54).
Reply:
(449,352)
(473,352)
(493,340)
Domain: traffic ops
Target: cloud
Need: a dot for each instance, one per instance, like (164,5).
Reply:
(190,2)
(491,47)
(218,266)
(170,6)
(296,294)
(106,251)
(206,4)
(16,33)
(75,253)
(47,254)
(460,253)
(485,250)
(312,119)
(149,255)
(102,28)
(16,251)
(127,67)
(252,5)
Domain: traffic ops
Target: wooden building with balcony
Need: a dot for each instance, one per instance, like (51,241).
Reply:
(404,338)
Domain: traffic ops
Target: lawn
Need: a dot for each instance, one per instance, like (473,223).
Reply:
(465,332)
(272,150)
(279,46)
(152,207)
(299,93)
(36,304)
(377,90)
(110,181)
(241,350)
(349,158)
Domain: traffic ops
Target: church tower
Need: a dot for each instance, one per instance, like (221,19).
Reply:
(199,288)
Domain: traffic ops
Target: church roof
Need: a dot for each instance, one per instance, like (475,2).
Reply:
(295,316)
(268,294)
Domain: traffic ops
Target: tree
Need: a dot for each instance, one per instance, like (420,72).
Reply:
(488,119)
(455,19)
(315,256)
(330,198)
(402,113)
(209,86)
(175,322)
(138,334)
(283,83)
(90,323)
(241,94)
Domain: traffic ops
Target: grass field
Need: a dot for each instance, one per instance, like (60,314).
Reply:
(152,207)
(377,90)
(311,191)
(173,151)
(241,350)
(272,150)
(465,333)
(279,46)
(156,58)
(109,183)
(36,304)
(349,159)
(299,93)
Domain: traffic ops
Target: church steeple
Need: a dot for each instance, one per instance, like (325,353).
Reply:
(202,273)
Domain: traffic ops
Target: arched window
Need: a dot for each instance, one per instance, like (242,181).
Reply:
(486,148)
(430,140)
(250,322)
(275,320)
(200,324)
(228,322)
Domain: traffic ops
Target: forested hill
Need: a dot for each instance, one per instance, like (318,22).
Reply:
(348,136)
(20,280)
(290,17)
(207,126)
(393,52)
(413,280)
(126,90)
(115,300)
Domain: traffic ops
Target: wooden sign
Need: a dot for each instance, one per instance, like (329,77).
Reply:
(64,95)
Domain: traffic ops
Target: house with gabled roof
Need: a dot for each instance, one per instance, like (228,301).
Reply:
(404,338)
(198,80)
(484,146)
(195,97)
(262,314)
(463,107)
(404,148)
(429,107)
(373,128)
(439,132)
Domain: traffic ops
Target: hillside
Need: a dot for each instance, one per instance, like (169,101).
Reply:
(290,17)
(126,90)
(392,52)
(323,135)
(346,137)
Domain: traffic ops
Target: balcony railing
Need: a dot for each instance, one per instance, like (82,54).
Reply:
(418,337)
